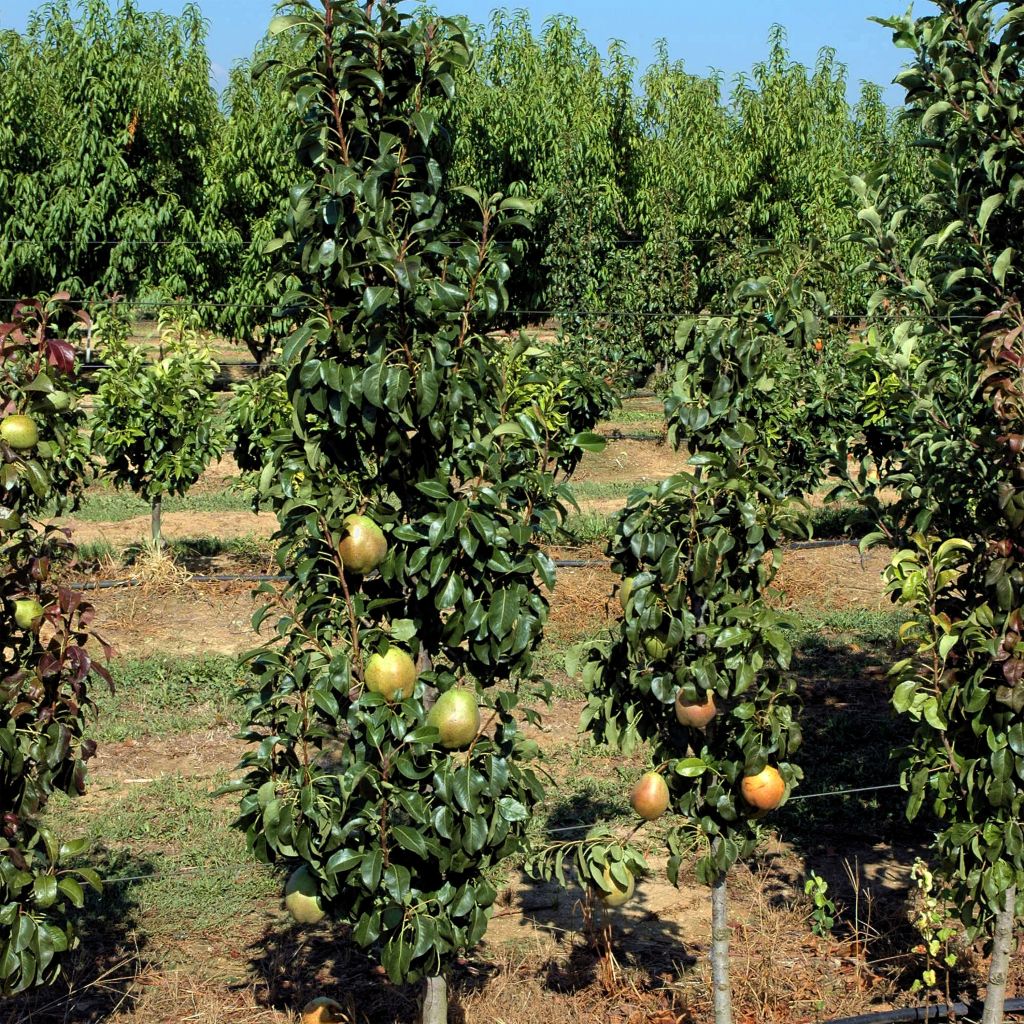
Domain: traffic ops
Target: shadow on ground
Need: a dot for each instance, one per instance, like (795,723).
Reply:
(101,976)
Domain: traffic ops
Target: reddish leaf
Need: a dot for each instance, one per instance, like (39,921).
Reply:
(61,355)
(104,674)
(49,665)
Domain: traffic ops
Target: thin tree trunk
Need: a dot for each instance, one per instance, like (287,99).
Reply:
(435,1002)
(155,531)
(720,951)
(1002,947)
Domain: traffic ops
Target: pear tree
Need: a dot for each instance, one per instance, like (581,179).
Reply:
(47,651)
(388,763)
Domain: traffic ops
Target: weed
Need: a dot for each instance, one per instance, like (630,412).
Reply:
(823,916)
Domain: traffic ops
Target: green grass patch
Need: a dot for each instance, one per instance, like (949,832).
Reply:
(594,490)
(98,551)
(248,548)
(109,506)
(654,417)
(590,799)
(856,625)
(170,858)
(586,528)
(163,696)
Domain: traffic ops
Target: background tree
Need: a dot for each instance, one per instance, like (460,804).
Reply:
(547,111)
(109,120)
(154,423)
(251,156)
(943,433)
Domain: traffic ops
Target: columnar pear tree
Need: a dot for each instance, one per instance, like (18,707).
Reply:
(389,771)
(697,666)
(944,433)
(46,653)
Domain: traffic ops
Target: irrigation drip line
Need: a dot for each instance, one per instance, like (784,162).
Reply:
(913,1014)
(98,367)
(218,578)
(618,435)
(560,563)
(228,868)
(569,563)
(815,545)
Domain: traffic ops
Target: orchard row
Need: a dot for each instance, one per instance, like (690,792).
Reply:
(418,461)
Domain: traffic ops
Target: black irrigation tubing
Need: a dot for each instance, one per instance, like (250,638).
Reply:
(618,435)
(228,868)
(560,563)
(813,545)
(913,1014)
(596,563)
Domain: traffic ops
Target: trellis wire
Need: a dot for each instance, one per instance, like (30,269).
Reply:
(228,868)
(560,563)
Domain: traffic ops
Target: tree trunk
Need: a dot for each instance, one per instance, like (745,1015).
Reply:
(720,951)
(1002,947)
(155,531)
(435,1002)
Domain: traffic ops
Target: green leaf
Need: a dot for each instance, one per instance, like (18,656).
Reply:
(502,613)
(1002,265)
(937,109)
(988,207)
(44,891)
(409,839)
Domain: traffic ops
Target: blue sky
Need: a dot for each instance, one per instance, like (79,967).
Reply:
(729,35)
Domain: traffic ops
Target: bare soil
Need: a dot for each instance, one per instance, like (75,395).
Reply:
(189,620)
(175,526)
(636,462)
